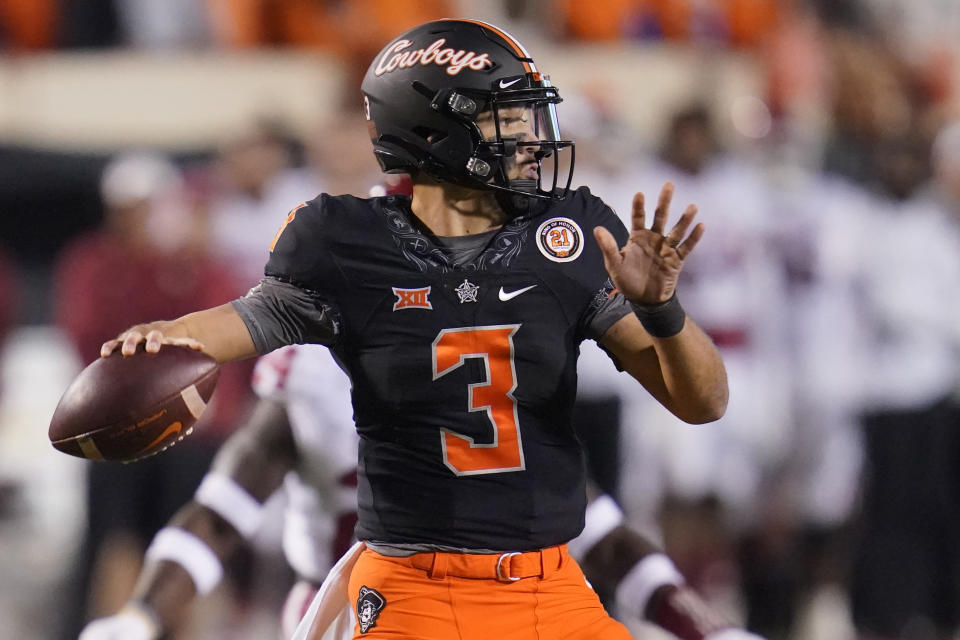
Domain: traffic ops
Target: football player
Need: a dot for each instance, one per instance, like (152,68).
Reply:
(301,437)
(458,314)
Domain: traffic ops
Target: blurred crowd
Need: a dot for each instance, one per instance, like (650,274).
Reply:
(825,504)
(360,26)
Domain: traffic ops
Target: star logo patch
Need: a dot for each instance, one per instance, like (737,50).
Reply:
(467,292)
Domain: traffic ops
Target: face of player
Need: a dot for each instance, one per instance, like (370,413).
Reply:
(520,123)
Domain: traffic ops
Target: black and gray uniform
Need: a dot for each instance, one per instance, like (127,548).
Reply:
(462,356)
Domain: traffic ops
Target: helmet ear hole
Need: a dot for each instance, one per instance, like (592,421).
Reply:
(429,134)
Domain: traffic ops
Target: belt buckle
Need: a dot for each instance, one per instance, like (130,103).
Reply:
(500,575)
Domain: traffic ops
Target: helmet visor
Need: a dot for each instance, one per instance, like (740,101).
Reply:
(524,137)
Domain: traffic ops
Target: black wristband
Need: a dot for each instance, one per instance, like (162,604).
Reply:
(662,320)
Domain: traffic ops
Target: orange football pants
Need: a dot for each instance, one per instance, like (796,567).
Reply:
(538,595)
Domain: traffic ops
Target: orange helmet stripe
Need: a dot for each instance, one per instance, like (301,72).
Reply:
(513,42)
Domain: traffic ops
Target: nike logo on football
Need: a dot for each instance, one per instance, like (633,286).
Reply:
(510,295)
(504,84)
(171,430)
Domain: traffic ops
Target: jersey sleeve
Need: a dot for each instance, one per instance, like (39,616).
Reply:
(294,303)
(607,305)
(606,310)
(299,253)
(278,313)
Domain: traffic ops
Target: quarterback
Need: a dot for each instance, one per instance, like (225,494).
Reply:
(458,315)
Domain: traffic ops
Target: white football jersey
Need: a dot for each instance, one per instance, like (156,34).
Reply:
(322,496)
(734,287)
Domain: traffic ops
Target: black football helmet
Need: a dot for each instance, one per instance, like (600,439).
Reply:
(423,95)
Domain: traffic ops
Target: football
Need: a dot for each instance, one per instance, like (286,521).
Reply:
(128,408)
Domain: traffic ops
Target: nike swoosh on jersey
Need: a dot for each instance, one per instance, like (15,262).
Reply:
(505,295)
(504,85)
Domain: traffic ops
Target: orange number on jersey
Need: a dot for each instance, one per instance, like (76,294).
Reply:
(495,396)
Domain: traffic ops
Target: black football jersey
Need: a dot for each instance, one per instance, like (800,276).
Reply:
(463,376)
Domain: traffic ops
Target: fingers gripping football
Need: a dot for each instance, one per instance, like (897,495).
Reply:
(647,267)
(151,335)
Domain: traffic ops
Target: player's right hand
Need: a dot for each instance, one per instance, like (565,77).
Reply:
(130,623)
(152,336)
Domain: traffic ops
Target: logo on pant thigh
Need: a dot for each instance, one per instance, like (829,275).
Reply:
(369,605)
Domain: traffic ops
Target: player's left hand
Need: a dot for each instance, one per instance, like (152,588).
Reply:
(646,269)
(732,634)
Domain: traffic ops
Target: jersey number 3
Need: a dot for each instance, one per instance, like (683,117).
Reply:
(495,396)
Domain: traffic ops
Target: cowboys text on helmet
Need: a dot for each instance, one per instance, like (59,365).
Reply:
(395,57)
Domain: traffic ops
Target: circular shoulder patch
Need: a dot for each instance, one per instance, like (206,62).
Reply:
(560,239)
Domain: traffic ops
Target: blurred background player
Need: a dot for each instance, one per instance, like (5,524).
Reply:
(9,310)
(300,437)
(906,571)
(143,261)
(255,175)
(712,490)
